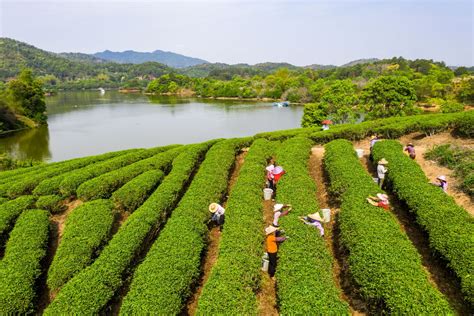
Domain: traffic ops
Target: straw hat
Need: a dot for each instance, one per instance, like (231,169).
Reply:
(442,178)
(213,207)
(270,229)
(270,168)
(382,196)
(383,161)
(277,207)
(410,144)
(316,217)
(373,137)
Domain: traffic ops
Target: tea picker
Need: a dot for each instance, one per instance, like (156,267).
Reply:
(217,213)
(280,210)
(381,171)
(381,200)
(315,220)
(442,183)
(272,242)
(411,150)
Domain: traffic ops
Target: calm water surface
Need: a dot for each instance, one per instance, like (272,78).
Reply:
(86,123)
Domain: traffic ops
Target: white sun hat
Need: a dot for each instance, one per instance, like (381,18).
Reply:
(382,196)
(316,217)
(270,229)
(442,178)
(277,207)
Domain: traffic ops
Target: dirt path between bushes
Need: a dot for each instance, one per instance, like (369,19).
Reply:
(340,266)
(214,237)
(439,275)
(57,224)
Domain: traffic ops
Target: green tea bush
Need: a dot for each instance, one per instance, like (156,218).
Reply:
(305,280)
(130,196)
(27,183)
(21,265)
(235,278)
(178,249)
(89,291)
(50,186)
(9,211)
(87,229)
(52,203)
(3,200)
(450,228)
(69,184)
(104,185)
(383,262)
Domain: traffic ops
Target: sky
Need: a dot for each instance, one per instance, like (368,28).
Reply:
(299,32)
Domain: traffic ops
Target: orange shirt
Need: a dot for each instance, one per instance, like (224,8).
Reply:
(272,246)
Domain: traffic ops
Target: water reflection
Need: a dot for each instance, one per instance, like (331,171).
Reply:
(28,144)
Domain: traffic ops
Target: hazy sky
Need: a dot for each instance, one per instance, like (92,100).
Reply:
(298,32)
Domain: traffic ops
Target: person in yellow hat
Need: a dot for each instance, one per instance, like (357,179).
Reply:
(381,171)
(217,213)
(314,220)
(271,243)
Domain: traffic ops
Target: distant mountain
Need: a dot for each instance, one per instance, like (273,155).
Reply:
(360,61)
(320,67)
(168,58)
(81,57)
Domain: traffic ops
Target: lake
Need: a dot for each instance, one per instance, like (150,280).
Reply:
(86,123)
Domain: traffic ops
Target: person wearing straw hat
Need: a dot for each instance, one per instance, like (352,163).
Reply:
(271,243)
(410,149)
(381,200)
(280,210)
(217,213)
(314,220)
(381,171)
(442,183)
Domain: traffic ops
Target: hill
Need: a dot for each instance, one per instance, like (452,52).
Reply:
(81,57)
(360,61)
(168,58)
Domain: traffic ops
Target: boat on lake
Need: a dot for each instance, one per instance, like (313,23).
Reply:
(283,104)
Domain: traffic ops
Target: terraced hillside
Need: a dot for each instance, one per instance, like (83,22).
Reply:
(129,232)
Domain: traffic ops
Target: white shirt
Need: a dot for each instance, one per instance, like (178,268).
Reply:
(381,171)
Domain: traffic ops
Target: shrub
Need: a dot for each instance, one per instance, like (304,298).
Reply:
(70,183)
(51,185)
(168,287)
(87,229)
(382,260)
(104,185)
(21,265)
(135,192)
(450,228)
(9,212)
(300,290)
(52,203)
(235,278)
(3,200)
(104,277)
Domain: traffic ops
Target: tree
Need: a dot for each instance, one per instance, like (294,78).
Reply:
(340,99)
(314,114)
(27,95)
(388,96)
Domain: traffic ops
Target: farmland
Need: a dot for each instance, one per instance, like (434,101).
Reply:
(129,232)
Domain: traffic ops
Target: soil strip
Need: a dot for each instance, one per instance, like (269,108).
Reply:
(57,225)
(341,275)
(214,236)
(439,275)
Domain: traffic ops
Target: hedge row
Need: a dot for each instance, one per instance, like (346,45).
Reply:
(392,127)
(450,228)
(52,203)
(382,260)
(86,230)
(10,211)
(235,278)
(103,186)
(26,183)
(91,289)
(130,196)
(162,283)
(71,182)
(3,200)
(21,265)
(305,280)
